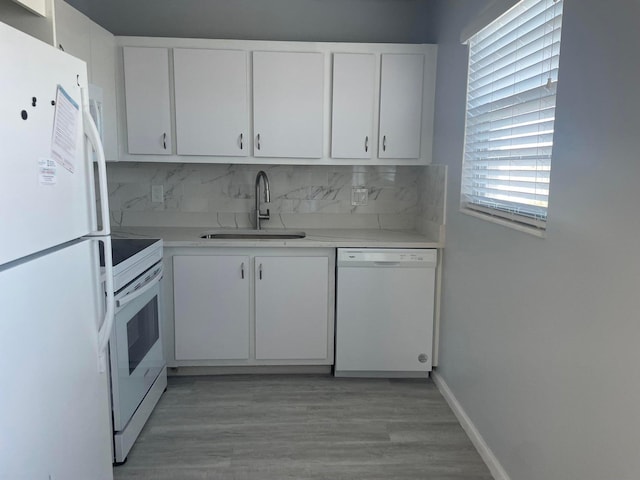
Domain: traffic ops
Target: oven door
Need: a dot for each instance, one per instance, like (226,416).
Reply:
(135,345)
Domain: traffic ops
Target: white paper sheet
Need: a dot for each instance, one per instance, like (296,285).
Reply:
(47,174)
(65,129)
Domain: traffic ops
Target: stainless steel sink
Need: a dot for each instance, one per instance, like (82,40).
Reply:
(236,234)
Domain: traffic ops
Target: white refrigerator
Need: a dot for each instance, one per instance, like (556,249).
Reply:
(55,318)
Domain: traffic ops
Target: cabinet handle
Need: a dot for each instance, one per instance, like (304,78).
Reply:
(384,143)
(260,272)
(258,141)
(241,136)
(242,270)
(366,143)
(164,140)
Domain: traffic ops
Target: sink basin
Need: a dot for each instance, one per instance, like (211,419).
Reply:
(235,234)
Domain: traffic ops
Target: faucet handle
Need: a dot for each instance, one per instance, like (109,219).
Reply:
(264,216)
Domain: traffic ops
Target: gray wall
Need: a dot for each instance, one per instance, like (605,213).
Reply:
(540,337)
(392,21)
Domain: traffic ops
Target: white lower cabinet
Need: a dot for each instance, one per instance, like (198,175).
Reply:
(291,307)
(249,306)
(211,301)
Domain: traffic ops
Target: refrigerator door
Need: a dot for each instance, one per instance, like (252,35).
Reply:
(54,405)
(47,199)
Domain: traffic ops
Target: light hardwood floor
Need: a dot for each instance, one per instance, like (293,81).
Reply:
(302,427)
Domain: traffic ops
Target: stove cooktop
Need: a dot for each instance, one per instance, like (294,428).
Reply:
(131,258)
(124,248)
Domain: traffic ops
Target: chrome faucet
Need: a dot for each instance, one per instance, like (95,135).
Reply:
(267,198)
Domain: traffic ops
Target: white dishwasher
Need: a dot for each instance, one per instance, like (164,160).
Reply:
(384,312)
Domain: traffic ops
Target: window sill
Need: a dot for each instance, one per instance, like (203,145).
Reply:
(536,232)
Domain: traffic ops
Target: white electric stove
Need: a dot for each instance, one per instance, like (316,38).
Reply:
(138,367)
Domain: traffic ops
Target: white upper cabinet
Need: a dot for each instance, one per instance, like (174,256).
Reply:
(39,7)
(77,35)
(262,102)
(212,108)
(146,79)
(102,73)
(288,104)
(73,31)
(353,105)
(401,85)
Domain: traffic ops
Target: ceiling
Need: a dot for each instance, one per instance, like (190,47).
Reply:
(394,21)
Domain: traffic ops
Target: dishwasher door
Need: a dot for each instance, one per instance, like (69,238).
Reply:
(384,312)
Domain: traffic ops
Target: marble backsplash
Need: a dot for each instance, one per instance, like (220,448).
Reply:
(218,195)
(433,184)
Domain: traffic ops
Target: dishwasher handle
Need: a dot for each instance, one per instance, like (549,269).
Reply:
(387,258)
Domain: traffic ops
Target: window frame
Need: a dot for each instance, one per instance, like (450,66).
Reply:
(496,214)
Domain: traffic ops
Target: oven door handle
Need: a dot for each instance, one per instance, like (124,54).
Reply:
(104,332)
(130,297)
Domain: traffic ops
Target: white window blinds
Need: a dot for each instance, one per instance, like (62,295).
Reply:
(511,98)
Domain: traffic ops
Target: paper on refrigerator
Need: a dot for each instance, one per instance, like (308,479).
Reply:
(65,129)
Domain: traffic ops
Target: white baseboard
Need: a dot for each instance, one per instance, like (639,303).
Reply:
(474,435)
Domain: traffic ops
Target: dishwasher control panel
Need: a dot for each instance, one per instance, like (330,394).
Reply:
(414,257)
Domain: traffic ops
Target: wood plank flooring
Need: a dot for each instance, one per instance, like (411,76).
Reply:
(304,428)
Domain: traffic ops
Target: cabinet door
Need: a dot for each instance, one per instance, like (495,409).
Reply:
(103,74)
(146,81)
(73,32)
(291,307)
(211,303)
(211,88)
(39,7)
(288,101)
(400,106)
(353,100)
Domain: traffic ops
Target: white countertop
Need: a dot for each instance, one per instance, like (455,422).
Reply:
(190,237)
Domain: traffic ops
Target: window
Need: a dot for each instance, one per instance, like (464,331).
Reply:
(511,98)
